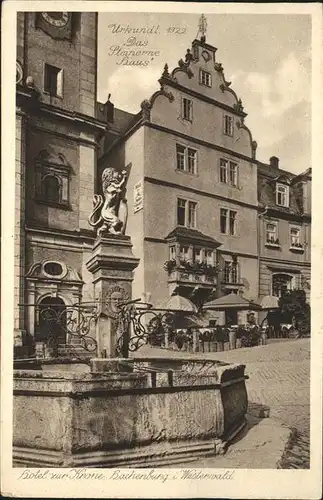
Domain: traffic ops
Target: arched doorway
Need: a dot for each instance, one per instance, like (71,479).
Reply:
(51,321)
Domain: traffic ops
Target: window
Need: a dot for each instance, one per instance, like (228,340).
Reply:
(52,185)
(172,252)
(233,174)
(223,220)
(184,253)
(223,171)
(52,188)
(282,195)
(180,155)
(294,237)
(271,233)
(230,272)
(53,268)
(186,159)
(52,179)
(53,81)
(227,271)
(209,257)
(205,78)
(281,283)
(191,214)
(181,206)
(228,125)
(228,172)
(187,109)
(197,255)
(191,161)
(234,273)
(228,221)
(232,222)
(186,213)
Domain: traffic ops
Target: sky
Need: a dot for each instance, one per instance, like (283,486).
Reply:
(266,57)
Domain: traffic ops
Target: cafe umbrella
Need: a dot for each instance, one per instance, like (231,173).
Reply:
(177,304)
(231,301)
(234,302)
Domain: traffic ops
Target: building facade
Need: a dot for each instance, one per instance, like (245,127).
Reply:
(285,230)
(198,197)
(56,156)
(206,218)
(193,159)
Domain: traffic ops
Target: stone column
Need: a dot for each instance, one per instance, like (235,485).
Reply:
(111,264)
(31,297)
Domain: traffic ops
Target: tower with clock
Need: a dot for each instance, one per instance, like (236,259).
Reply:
(57,134)
(56,24)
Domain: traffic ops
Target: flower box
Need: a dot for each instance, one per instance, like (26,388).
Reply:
(296,248)
(272,244)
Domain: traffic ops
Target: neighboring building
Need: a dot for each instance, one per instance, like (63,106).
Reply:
(56,148)
(285,229)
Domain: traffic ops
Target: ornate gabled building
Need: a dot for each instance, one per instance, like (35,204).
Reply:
(192,190)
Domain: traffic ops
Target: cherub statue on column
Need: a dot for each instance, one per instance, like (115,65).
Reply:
(109,213)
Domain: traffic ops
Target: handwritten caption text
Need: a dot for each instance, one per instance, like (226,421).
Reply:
(125,475)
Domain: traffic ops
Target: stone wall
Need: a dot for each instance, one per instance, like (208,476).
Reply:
(66,419)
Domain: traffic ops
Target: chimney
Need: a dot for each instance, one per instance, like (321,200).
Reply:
(109,110)
(274,162)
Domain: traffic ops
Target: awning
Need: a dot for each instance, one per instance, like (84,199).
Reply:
(269,302)
(231,301)
(177,303)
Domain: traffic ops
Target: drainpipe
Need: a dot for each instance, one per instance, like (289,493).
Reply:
(259,217)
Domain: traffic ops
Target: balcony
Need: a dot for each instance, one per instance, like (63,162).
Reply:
(191,273)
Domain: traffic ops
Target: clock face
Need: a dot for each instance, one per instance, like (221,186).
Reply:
(58,19)
(206,56)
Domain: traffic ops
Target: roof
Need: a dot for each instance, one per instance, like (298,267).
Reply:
(121,119)
(270,171)
(192,235)
(232,300)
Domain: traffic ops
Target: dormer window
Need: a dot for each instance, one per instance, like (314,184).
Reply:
(282,195)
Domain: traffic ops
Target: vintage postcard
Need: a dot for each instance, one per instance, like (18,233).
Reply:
(161,277)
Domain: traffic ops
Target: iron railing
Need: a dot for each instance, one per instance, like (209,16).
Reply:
(139,324)
(63,328)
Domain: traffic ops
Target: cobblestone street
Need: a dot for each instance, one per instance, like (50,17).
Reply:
(279,377)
